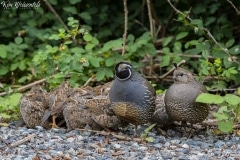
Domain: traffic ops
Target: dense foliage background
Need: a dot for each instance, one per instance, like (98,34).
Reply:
(79,39)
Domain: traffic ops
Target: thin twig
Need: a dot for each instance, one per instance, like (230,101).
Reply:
(21,141)
(56,14)
(225,90)
(169,20)
(121,137)
(89,80)
(206,31)
(24,87)
(238,12)
(185,55)
(125,26)
(151,21)
(171,70)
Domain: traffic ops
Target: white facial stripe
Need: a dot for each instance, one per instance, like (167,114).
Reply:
(123,79)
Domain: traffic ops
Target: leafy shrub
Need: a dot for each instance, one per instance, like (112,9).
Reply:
(228,113)
(9,106)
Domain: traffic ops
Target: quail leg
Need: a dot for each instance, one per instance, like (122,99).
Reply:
(54,125)
(191,132)
(184,125)
(135,133)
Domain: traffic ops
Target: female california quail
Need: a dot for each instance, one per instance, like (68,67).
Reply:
(132,97)
(78,115)
(160,115)
(180,98)
(56,100)
(33,105)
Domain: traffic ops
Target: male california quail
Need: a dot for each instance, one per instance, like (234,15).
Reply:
(33,105)
(132,97)
(180,98)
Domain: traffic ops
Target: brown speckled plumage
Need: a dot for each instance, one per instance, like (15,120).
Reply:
(56,100)
(160,115)
(78,116)
(180,98)
(33,105)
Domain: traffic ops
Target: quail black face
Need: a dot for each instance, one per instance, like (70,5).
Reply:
(123,70)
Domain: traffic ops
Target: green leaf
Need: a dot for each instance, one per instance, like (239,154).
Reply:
(3,52)
(18,40)
(89,46)
(74,1)
(85,16)
(68,42)
(148,129)
(54,2)
(197,22)
(108,72)
(232,70)
(77,50)
(235,50)
(112,44)
(14,99)
(100,74)
(149,139)
(70,19)
(223,110)
(230,43)
(177,47)
(232,99)
(5,116)
(181,35)
(220,116)
(166,41)
(14,66)
(209,98)
(59,76)
(87,37)
(3,70)
(165,61)
(110,61)
(95,61)
(71,10)
(54,37)
(193,51)
(225,126)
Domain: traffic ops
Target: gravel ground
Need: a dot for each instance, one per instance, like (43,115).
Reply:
(23,143)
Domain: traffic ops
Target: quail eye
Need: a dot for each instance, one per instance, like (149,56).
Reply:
(181,74)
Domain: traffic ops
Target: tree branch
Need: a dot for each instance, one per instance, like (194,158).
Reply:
(24,87)
(125,26)
(238,12)
(56,14)
(151,21)
(171,70)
